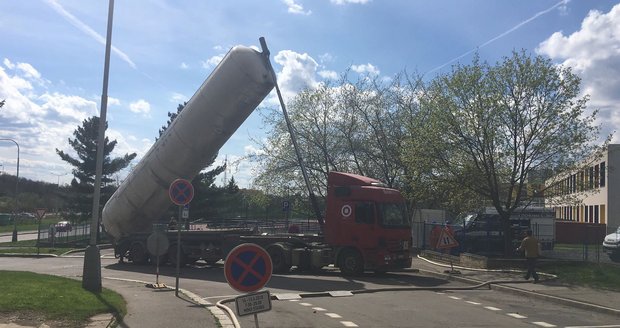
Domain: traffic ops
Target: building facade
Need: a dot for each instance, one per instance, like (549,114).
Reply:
(591,195)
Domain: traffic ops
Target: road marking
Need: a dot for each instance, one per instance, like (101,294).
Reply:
(516,315)
(474,303)
(608,326)
(454,297)
(333,315)
(305,304)
(293,300)
(318,309)
(348,324)
(543,324)
(493,308)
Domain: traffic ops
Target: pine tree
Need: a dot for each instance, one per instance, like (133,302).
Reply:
(84,167)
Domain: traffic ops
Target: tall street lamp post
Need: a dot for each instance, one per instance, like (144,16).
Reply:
(14,239)
(91,273)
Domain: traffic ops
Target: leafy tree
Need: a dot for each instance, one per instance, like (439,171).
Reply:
(82,184)
(351,125)
(491,130)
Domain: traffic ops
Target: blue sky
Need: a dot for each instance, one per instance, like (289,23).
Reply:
(52,54)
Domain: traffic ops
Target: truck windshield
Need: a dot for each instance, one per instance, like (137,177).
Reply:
(393,215)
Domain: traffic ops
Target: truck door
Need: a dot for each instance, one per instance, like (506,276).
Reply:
(363,229)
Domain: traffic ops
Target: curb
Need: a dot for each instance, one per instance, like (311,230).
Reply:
(528,293)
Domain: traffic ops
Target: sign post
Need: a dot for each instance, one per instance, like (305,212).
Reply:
(247,269)
(181,192)
(40,214)
(447,241)
(157,244)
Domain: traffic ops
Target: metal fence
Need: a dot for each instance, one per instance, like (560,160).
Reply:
(585,247)
(52,236)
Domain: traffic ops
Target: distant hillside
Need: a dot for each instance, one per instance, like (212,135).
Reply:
(7,186)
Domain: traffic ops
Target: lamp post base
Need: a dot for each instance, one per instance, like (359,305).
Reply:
(14,239)
(91,275)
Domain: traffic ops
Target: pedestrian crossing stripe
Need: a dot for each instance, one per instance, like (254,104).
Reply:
(446,240)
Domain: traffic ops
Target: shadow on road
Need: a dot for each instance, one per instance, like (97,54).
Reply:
(297,281)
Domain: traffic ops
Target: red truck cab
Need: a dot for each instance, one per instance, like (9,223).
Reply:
(366,224)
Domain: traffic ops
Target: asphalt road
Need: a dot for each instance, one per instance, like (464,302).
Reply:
(408,308)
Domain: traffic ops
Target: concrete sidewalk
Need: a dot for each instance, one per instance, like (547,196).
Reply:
(512,281)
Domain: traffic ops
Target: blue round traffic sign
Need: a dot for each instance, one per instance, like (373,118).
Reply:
(248,268)
(181,192)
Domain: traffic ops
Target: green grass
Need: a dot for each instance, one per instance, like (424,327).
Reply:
(30,247)
(596,275)
(56,298)
(29,224)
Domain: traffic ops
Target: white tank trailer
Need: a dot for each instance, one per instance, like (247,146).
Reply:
(227,97)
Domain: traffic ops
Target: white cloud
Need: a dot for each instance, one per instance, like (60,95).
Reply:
(68,107)
(29,71)
(365,69)
(178,98)
(8,63)
(213,61)
(114,101)
(140,107)
(331,75)
(594,54)
(296,8)
(344,2)
(298,72)
(40,121)
(326,58)
(26,71)
(184,66)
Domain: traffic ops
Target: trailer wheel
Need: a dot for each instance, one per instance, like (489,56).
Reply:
(351,262)
(172,256)
(278,259)
(137,253)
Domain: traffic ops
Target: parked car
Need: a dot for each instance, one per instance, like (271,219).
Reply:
(611,245)
(63,226)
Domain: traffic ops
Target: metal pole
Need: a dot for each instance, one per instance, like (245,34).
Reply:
(291,130)
(255,320)
(176,288)
(14,239)
(91,278)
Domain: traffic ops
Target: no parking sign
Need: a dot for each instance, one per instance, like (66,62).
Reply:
(248,268)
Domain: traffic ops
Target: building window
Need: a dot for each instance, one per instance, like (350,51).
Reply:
(596,176)
(602,178)
(595,213)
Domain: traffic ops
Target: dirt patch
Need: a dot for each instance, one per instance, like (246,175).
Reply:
(34,319)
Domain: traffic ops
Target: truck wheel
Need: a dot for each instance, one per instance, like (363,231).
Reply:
(278,259)
(614,256)
(137,253)
(172,255)
(351,262)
